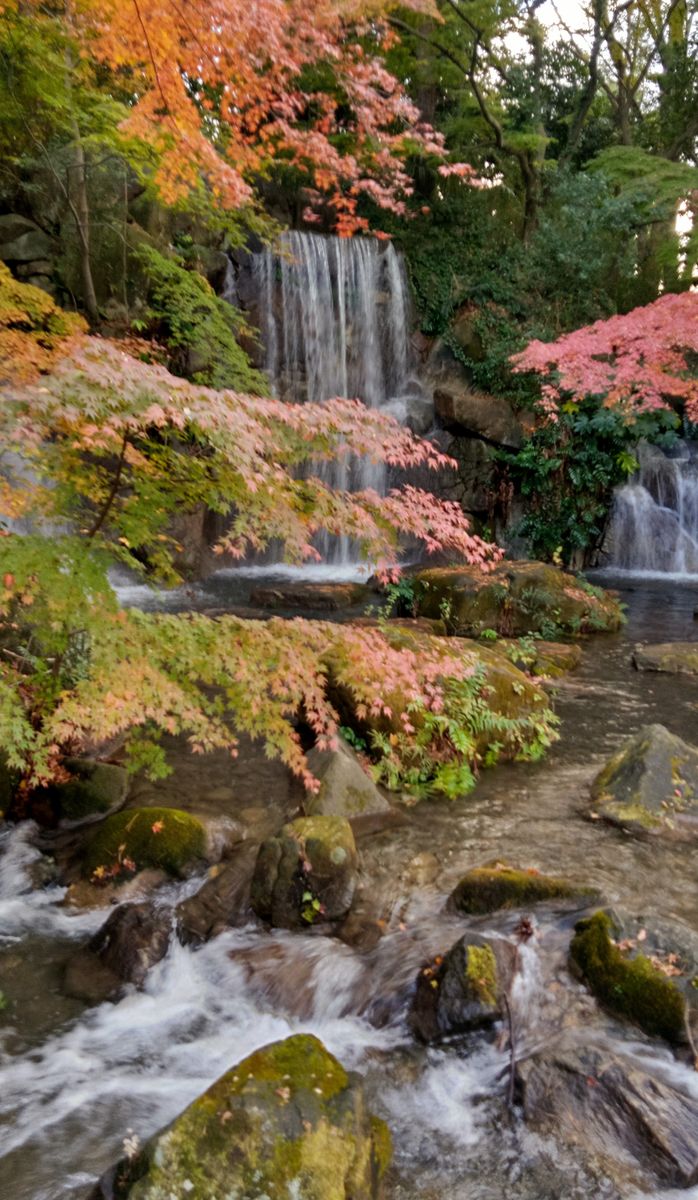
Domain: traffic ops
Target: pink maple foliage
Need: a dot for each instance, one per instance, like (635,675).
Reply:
(640,361)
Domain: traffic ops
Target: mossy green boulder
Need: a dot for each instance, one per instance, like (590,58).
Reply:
(668,658)
(630,987)
(510,719)
(498,885)
(515,598)
(306,874)
(650,786)
(462,989)
(93,789)
(137,838)
(287,1122)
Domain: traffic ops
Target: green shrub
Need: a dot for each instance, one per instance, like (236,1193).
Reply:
(197,327)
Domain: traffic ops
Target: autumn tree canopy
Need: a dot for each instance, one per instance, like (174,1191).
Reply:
(637,362)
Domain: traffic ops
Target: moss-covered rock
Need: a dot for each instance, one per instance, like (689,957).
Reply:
(510,716)
(650,786)
(630,987)
(463,989)
(136,838)
(515,598)
(554,659)
(669,658)
(306,874)
(93,789)
(498,885)
(288,1121)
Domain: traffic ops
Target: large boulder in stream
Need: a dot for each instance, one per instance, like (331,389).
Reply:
(133,939)
(288,1121)
(345,790)
(136,838)
(627,983)
(650,786)
(464,989)
(515,598)
(307,873)
(667,658)
(223,899)
(499,885)
(611,1106)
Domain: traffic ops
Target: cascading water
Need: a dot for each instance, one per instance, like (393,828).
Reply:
(654,526)
(334,317)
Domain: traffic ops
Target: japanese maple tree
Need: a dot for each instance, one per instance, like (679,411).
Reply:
(224,89)
(99,450)
(639,362)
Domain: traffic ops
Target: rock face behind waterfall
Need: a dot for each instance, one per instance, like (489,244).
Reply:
(287,1121)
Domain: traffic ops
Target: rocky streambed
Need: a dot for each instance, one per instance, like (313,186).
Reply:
(472,1035)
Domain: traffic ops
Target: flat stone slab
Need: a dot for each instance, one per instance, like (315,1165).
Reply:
(610,1104)
(670,658)
(318,597)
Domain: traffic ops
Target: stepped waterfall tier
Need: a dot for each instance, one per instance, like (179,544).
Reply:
(334,316)
(654,527)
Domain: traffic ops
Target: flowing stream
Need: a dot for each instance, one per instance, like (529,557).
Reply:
(75,1082)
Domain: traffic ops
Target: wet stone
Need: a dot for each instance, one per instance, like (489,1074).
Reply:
(612,1106)
(463,990)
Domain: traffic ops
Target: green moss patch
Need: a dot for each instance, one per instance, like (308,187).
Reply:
(145,837)
(94,788)
(487,889)
(630,987)
(481,973)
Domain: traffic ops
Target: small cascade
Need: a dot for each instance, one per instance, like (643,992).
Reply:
(654,525)
(334,317)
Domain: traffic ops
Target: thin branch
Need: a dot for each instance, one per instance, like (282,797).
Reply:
(104,511)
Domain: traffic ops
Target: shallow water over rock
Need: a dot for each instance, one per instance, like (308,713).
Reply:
(75,1082)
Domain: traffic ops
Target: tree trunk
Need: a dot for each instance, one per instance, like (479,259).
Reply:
(81,212)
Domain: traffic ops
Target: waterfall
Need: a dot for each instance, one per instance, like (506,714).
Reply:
(334,317)
(654,526)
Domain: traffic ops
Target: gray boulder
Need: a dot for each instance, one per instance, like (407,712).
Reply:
(611,1105)
(222,901)
(650,786)
(345,788)
(668,658)
(29,246)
